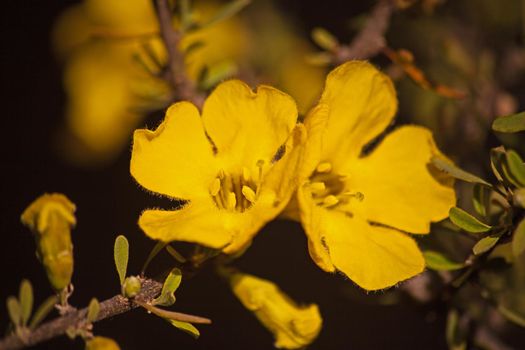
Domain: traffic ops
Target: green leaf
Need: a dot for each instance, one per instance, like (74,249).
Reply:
(26,300)
(503,251)
(456,172)
(485,244)
(467,222)
(185,327)
(227,11)
(511,315)
(518,239)
(121,255)
(519,197)
(516,167)
(216,73)
(14,310)
(93,310)
(454,335)
(43,310)
(510,123)
(437,261)
(156,250)
(496,156)
(324,39)
(480,199)
(171,283)
(175,254)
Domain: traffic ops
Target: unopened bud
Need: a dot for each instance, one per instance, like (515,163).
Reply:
(131,287)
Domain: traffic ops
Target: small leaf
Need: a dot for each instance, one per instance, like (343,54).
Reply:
(480,199)
(454,335)
(43,310)
(518,239)
(510,123)
(186,328)
(171,283)
(324,39)
(26,300)
(516,167)
(467,222)
(175,254)
(93,310)
(503,251)
(456,172)
(511,315)
(156,250)
(496,156)
(485,244)
(439,262)
(121,255)
(227,11)
(14,310)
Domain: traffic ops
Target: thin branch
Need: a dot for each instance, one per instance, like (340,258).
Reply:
(57,327)
(371,39)
(185,89)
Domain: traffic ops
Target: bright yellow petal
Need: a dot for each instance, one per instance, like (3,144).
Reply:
(362,103)
(373,257)
(197,222)
(176,159)
(398,188)
(70,30)
(245,126)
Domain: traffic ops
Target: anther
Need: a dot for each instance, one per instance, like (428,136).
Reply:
(215,187)
(248,193)
(330,201)
(317,186)
(324,167)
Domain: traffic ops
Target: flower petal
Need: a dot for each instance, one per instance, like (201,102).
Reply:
(362,103)
(398,186)
(176,159)
(373,257)
(245,126)
(197,222)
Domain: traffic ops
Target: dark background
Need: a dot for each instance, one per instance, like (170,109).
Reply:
(109,203)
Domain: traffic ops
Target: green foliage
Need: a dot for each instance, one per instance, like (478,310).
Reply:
(186,327)
(485,244)
(516,168)
(512,123)
(93,310)
(467,222)
(439,262)
(455,337)
(121,256)
(518,239)
(43,310)
(324,39)
(171,283)
(14,311)
(456,172)
(26,301)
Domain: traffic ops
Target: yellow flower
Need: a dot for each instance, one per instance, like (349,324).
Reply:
(356,207)
(101,343)
(293,326)
(235,165)
(51,217)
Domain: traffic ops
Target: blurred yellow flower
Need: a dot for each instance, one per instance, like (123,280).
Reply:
(293,326)
(101,343)
(356,207)
(51,217)
(234,164)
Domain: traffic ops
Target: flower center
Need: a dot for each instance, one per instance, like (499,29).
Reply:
(329,189)
(237,191)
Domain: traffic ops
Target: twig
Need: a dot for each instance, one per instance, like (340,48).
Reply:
(109,308)
(184,88)
(371,39)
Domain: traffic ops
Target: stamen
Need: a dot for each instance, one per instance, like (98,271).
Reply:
(330,201)
(317,186)
(324,167)
(231,200)
(246,174)
(215,187)
(357,195)
(248,193)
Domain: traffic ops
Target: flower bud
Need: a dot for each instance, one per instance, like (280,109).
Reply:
(101,343)
(131,287)
(51,218)
(293,326)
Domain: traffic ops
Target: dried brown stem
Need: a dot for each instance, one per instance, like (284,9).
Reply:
(57,327)
(184,88)
(371,39)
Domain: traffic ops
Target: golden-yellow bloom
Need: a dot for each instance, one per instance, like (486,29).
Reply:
(51,217)
(357,207)
(101,343)
(293,326)
(234,164)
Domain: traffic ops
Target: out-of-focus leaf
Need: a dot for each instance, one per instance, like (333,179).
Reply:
(320,59)
(217,73)
(324,39)
(121,255)
(480,199)
(227,11)
(485,244)
(511,123)
(93,310)
(26,301)
(437,261)
(156,250)
(503,251)
(186,328)
(14,310)
(518,239)
(511,315)
(516,167)
(171,283)
(43,310)
(456,172)
(454,335)
(496,156)
(519,197)
(175,254)
(467,222)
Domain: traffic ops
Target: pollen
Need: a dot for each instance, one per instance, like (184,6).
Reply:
(236,191)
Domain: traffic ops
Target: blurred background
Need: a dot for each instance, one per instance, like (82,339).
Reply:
(475,46)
